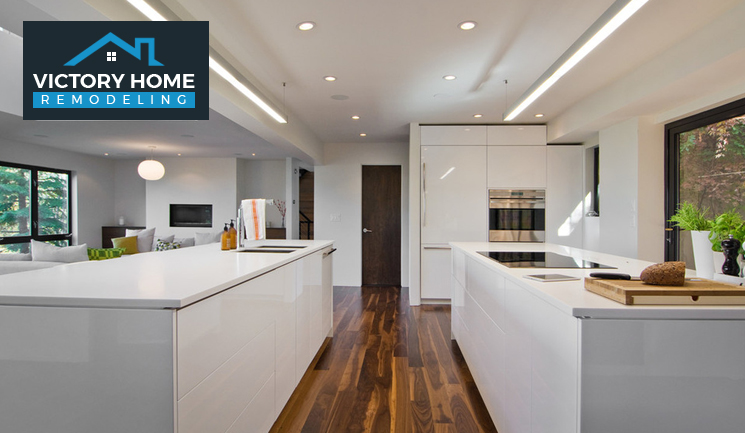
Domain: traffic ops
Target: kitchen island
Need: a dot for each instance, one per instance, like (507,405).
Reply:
(190,340)
(553,357)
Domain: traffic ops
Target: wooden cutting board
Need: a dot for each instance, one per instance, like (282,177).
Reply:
(695,291)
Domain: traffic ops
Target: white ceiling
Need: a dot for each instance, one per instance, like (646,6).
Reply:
(389,57)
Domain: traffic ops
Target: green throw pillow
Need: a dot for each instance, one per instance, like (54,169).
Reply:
(105,253)
(165,246)
(129,243)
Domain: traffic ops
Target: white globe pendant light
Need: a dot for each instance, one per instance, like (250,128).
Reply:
(151,169)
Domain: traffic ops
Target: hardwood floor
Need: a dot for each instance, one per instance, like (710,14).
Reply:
(389,368)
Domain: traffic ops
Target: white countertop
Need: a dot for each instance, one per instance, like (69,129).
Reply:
(571,296)
(156,280)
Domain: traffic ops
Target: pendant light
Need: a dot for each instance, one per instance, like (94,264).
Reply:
(151,169)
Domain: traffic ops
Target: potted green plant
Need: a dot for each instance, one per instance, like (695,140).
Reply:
(690,217)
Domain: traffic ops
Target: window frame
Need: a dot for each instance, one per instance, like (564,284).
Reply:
(34,202)
(672,164)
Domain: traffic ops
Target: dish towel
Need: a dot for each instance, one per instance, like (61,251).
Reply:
(254,219)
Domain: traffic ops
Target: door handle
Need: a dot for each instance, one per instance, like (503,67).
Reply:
(366,231)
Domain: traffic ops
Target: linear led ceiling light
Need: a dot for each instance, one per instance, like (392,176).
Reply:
(617,14)
(153,15)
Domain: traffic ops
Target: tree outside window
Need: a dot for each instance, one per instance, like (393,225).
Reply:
(34,204)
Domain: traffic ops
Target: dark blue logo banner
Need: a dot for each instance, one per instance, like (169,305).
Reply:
(140,70)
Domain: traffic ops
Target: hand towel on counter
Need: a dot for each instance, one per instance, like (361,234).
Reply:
(254,218)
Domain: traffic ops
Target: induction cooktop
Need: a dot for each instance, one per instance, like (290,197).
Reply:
(539,259)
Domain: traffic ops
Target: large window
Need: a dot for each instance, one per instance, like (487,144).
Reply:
(34,204)
(705,166)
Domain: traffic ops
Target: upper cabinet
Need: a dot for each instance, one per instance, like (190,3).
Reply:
(454,135)
(515,135)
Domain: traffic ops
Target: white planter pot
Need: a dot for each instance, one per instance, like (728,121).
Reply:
(702,254)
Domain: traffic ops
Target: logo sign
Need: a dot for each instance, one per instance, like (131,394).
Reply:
(115,70)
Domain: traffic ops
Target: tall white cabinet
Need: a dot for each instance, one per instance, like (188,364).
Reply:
(453,199)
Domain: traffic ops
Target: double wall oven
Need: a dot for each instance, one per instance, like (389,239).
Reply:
(517,215)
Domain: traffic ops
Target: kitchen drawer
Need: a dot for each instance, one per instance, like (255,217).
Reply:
(212,331)
(455,135)
(220,399)
(487,289)
(259,416)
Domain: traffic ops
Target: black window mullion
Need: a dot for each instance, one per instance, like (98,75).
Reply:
(34,203)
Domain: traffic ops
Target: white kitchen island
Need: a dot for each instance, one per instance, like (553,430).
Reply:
(552,357)
(190,340)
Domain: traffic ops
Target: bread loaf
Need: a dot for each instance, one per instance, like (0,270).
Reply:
(665,274)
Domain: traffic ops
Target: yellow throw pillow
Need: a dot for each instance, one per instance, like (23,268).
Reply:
(128,243)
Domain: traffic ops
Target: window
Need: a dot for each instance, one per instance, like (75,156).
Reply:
(111,56)
(705,165)
(34,204)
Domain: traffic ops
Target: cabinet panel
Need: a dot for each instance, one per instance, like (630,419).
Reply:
(487,289)
(302,324)
(564,198)
(213,330)
(328,292)
(517,166)
(519,317)
(436,273)
(454,197)
(215,404)
(471,135)
(516,135)
(653,368)
(285,341)
(260,414)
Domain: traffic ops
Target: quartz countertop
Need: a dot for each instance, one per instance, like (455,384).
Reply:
(156,280)
(571,296)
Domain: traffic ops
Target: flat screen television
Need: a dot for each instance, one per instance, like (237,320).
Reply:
(191,215)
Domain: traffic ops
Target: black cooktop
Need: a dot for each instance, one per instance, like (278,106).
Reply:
(539,259)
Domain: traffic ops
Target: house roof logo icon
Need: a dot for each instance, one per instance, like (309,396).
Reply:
(133,50)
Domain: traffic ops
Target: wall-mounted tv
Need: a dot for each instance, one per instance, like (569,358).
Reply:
(191,215)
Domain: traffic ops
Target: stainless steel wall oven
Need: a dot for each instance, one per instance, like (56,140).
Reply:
(517,215)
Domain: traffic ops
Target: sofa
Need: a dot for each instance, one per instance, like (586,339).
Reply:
(11,263)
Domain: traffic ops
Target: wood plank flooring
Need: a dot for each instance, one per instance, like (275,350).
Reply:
(389,368)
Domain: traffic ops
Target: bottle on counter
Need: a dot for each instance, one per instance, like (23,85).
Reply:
(233,235)
(225,238)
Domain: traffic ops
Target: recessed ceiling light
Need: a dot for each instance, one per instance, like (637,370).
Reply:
(478,115)
(449,77)
(355,117)
(178,154)
(106,154)
(306,25)
(329,78)
(539,115)
(363,135)
(467,25)
(253,154)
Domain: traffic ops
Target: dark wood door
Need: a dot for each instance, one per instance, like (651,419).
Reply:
(381,225)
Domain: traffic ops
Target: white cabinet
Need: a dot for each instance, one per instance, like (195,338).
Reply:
(435,272)
(516,135)
(564,201)
(454,197)
(517,167)
(467,135)
(522,352)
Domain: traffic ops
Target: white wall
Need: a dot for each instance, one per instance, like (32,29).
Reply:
(338,190)
(632,190)
(264,179)
(92,189)
(193,181)
(129,193)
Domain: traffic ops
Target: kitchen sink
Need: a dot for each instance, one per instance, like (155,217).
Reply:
(296,247)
